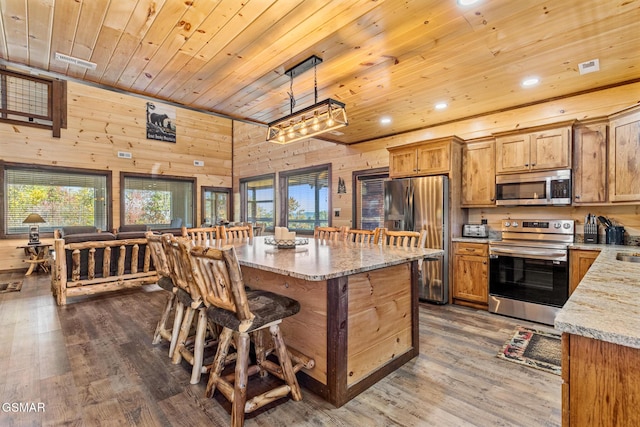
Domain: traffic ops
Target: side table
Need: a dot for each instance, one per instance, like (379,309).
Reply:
(38,256)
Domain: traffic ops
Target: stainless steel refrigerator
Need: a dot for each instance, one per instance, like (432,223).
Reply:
(416,204)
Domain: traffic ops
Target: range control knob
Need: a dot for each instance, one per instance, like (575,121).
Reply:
(515,223)
(557,225)
(507,224)
(566,226)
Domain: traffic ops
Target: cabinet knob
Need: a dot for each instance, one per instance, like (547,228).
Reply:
(577,197)
(533,164)
(484,262)
(526,164)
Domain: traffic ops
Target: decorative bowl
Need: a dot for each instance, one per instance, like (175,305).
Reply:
(286,243)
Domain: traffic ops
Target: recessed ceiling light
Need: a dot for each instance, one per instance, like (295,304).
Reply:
(467,2)
(441,105)
(385,120)
(530,81)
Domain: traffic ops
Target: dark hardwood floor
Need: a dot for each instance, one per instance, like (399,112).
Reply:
(92,363)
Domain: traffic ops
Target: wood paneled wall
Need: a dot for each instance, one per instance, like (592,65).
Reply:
(103,122)
(253,156)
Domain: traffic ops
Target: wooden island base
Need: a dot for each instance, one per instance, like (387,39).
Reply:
(358,328)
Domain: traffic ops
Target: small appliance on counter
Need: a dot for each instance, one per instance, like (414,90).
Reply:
(475,230)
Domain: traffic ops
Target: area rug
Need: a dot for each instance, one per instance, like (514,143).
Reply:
(534,348)
(10,286)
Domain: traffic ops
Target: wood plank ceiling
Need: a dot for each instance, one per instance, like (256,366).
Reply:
(384,58)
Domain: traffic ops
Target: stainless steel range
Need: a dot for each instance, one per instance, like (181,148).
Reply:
(529,269)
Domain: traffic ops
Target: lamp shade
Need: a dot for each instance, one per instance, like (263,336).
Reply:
(33,218)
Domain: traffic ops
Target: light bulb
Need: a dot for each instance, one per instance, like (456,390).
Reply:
(316,122)
(303,126)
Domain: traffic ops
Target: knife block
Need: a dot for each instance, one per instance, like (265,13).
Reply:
(591,233)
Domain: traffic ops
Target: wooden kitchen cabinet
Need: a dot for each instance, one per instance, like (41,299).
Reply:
(541,148)
(478,173)
(433,157)
(600,383)
(590,162)
(624,156)
(579,263)
(471,274)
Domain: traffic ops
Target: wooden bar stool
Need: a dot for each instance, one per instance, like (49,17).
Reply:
(363,236)
(155,244)
(414,239)
(236,233)
(189,348)
(241,312)
(201,236)
(328,233)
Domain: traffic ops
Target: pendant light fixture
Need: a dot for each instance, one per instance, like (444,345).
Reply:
(319,118)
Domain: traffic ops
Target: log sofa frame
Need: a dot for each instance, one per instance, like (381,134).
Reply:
(94,267)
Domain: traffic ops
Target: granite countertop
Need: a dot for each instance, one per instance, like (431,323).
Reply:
(322,260)
(606,304)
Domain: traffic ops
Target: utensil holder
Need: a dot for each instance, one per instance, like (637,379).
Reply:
(591,233)
(614,235)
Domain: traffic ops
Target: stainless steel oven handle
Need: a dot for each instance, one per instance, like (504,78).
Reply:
(533,254)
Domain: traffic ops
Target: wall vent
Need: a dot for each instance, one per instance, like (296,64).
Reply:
(75,61)
(589,66)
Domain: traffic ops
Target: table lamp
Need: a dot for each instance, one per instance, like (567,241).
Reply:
(34,229)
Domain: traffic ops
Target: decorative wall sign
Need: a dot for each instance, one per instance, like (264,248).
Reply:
(161,122)
(342,188)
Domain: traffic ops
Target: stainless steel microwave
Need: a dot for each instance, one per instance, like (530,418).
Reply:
(534,188)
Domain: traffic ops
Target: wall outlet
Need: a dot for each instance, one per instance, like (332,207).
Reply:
(124,155)
(198,163)
(336,212)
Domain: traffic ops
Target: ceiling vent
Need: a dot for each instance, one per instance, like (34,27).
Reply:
(75,61)
(589,66)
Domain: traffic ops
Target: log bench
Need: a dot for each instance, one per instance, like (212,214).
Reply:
(102,265)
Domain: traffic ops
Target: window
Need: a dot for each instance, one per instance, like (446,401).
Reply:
(160,202)
(63,197)
(306,193)
(369,198)
(257,200)
(32,101)
(215,205)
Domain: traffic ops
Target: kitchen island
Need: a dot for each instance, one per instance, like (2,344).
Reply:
(601,344)
(359,308)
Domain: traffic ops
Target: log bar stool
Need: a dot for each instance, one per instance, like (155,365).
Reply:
(405,239)
(236,233)
(327,233)
(190,299)
(241,311)
(201,236)
(156,244)
(363,236)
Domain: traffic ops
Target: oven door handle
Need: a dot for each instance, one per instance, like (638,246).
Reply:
(533,254)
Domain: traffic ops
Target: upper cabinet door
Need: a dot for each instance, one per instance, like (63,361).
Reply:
(403,162)
(624,157)
(590,162)
(512,153)
(478,174)
(434,158)
(550,149)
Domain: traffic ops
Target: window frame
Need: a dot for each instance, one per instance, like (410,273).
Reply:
(107,174)
(192,180)
(358,176)
(56,104)
(204,190)
(244,200)
(283,178)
